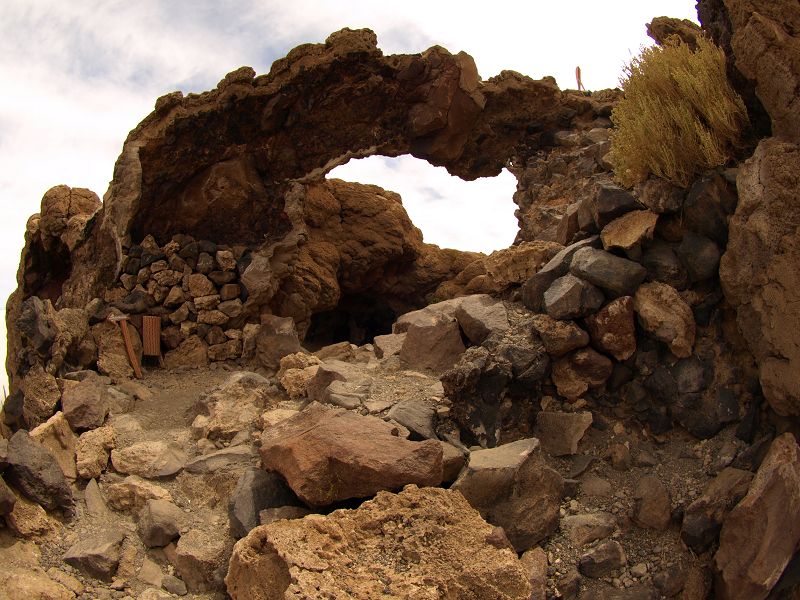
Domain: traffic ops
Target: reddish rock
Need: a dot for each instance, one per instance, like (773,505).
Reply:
(613,329)
(559,337)
(580,370)
(512,487)
(652,505)
(330,454)
(762,533)
(435,347)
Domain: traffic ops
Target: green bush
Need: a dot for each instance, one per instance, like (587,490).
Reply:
(679,115)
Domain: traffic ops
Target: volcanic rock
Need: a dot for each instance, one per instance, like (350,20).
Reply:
(606,203)
(192,352)
(559,337)
(629,231)
(570,297)
(616,276)
(758,270)
(602,560)
(159,523)
(418,416)
(112,357)
(7,498)
(585,528)
(132,493)
(480,316)
(761,533)
(256,491)
(359,553)
(699,255)
(664,314)
(435,347)
(560,432)
(85,403)
(580,370)
(34,472)
(612,328)
(97,555)
(512,487)
(276,339)
(55,435)
(704,517)
(330,454)
(652,506)
(234,406)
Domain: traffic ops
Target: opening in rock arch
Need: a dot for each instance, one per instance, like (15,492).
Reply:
(358,318)
(477,216)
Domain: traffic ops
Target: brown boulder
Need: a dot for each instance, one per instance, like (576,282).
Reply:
(580,370)
(435,347)
(630,230)
(759,272)
(330,454)
(392,545)
(112,358)
(559,337)
(192,352)
(512,487)
(613,329)
(664,314)
(762,532)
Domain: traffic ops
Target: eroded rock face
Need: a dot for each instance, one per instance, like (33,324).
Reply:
(759,272)
(358,553)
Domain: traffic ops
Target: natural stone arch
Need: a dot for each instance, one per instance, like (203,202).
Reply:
(243,148)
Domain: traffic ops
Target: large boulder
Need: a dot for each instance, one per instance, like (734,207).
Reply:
(34,472)
(759,272)
(433,347)
(512,487)
(664,315)
(392,545)
(331,454)
(762,533)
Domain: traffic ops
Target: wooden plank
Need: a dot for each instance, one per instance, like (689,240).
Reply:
(129,347)
(151,336)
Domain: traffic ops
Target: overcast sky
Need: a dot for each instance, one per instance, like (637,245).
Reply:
(78,75)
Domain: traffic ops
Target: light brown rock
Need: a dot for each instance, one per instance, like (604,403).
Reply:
(560,432)
(112,357)
(27,519)
(235,405)
(358,553)
(198,285)
(17,582)
(97,555)
(585,528)
(652,505)
(580,370)
(664,314)
(85,403)
(193,352)
(202,559)
(55,435)
(41,396)
(535,562)
(296,370)
(559,337)
(329,454)
(759,272)
(480,316)
(629,230)
(92,451)
(148,459)
(762,532)
(132,493)
(613,329)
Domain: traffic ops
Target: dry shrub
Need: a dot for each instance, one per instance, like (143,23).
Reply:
(679,115)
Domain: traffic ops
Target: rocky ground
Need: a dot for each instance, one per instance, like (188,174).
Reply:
(608,510)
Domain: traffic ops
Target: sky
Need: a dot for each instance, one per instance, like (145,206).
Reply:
(77,76)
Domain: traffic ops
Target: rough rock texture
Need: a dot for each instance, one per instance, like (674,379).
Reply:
(580,370)
(34,471)
(766,45)
(341,240)
(560,432)
(330,454)
(661,29)
(394,544)
(762,532)
(255,491)
(201,558)
(55,435)
(512,487)
(148,459)
(759,269)
(97,555)
(664,314)
(612,328)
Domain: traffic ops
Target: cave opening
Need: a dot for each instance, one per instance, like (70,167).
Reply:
(46,270)
(357,319)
